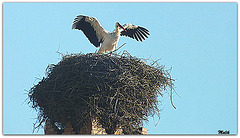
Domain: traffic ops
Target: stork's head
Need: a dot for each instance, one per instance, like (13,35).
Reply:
(119,25)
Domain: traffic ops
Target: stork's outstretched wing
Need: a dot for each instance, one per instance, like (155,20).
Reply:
(91,28)
(135,32)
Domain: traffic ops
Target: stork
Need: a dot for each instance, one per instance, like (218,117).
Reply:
(97,35)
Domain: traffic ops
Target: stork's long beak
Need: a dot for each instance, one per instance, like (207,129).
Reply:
(121,27)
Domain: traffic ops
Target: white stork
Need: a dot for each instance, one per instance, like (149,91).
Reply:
(97,35)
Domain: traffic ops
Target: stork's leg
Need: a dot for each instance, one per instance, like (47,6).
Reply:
(102,50)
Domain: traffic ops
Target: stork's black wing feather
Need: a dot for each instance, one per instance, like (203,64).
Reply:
(80,23)
(135,32)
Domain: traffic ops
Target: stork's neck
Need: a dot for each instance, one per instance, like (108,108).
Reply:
(116,32)
(117,29)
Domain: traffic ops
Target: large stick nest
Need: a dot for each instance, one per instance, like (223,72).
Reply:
(120,90)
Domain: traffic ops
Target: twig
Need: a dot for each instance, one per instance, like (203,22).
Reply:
(171,99)
(60,53)
(117,48)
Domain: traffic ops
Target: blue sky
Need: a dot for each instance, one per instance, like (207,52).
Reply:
(197,40)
